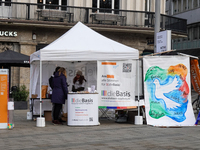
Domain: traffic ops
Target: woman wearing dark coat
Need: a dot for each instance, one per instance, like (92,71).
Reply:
(59,94)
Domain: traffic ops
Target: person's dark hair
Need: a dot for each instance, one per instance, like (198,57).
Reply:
(80,79)
(56,70)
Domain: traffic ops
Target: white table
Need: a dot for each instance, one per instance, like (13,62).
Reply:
(83,109)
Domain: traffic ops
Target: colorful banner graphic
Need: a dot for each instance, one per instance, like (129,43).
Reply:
(4,95)
(116,83)
(167,91)
(195,75)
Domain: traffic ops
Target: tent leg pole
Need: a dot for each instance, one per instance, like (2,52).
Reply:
(40,88)
(138,89)
(40,120)
(138,118)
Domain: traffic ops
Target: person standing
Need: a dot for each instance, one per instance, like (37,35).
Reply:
(59,93)
(51,87)
(51,78)
(78,82)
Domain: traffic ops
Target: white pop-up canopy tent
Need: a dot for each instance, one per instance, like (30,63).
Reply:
(84,44)
(80,43)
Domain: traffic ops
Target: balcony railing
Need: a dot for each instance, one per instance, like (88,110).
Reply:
(70,14)
(186,45)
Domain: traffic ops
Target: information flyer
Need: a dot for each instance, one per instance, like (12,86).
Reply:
(116,82)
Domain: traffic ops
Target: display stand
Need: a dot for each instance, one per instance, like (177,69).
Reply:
(83,109)
(4,98)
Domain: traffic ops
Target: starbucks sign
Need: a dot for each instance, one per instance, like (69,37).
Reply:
(8,33)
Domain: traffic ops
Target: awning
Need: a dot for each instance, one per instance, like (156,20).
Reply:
(11,58)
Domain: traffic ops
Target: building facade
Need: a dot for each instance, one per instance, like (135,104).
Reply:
(186,9)
(27,26)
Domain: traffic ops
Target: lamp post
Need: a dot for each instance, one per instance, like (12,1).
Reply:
(157,22)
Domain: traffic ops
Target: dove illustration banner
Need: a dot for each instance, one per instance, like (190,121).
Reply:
(167,91)
(116,82)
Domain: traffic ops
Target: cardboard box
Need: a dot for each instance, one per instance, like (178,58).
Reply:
(64,115)
(64,118)
(131,116)
(34,96)
(47,116)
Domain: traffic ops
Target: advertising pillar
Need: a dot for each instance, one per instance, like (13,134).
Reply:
(4,95)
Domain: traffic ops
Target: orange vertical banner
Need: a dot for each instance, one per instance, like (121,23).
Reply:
(195,75)
(4,82)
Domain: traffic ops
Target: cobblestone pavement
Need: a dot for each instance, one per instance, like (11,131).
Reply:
(108,136)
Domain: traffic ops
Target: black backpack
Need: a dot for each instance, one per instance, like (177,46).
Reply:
(51,82)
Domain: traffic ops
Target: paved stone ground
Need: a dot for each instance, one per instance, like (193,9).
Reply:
(108,136)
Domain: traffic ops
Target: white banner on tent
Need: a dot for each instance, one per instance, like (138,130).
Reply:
(116,82)
(167,91)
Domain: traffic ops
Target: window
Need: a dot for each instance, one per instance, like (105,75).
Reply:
(195,3)
(94,5)
(189,33)
(184,5)
(5,4)
(147,7)
(195,32)
(116,6)
(53,2)
(199,31)
(64,3)
(107,4)
(40,2)
(190,4)
(175,7)
(179,6)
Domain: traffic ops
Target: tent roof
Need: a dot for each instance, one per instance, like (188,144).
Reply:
(11,58)
(81,43)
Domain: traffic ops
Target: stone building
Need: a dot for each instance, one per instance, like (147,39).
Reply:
(186,9)
(27,26)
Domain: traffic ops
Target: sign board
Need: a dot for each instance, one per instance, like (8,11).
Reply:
(116,82)
(195,75)
(8,33)
(82,109)
(167,91)
(163,41)
(4,95)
